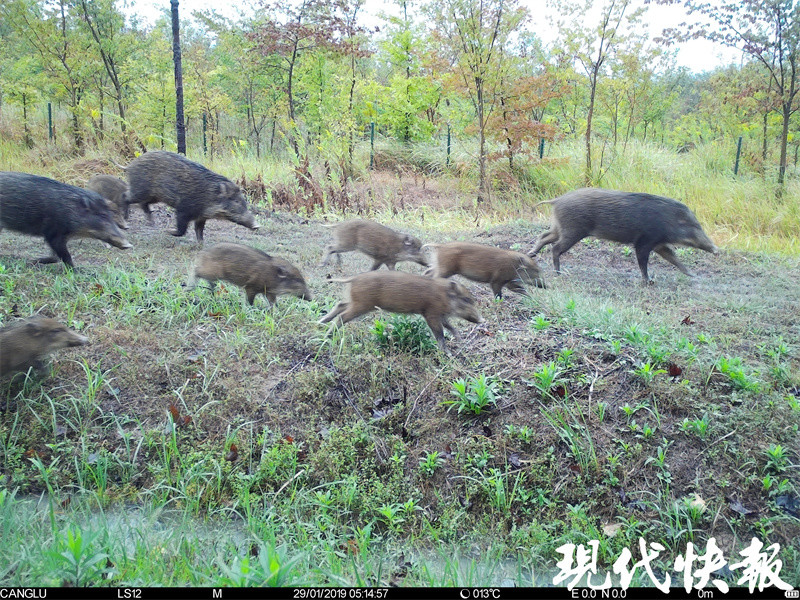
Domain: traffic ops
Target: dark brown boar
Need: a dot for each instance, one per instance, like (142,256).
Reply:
(649,223)
(196,193)
(56,211)
(25,343)
(434,299)
(252,269)
(382,244)
(113,189)
(486,264)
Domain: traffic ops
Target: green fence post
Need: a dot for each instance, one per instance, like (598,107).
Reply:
(738,153)
(49,121)
(371,144)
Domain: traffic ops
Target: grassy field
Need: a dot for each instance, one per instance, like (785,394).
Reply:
(596,409)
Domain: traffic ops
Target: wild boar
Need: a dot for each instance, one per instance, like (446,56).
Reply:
(486,264)
(40,206)
(25,343)
(196,193)
(434,299)
(113,189)
(649,223)
(252,269)
(382,244)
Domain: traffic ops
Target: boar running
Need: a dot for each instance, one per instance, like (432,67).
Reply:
(56,211)
(25,343)
(196,193)
(649,223)
(394,291)
(382,244)
(486,264)
(252,269)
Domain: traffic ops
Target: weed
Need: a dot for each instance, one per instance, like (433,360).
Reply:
(406,334)
(546,377)
(430,462)
(733,369)
(646,372)
(474,395)
(777,459)
(699,427)
(540,322)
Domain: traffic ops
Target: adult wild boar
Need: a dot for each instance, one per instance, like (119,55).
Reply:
(196,193)
(113,190)
(382,244)
(252,269)
(25,343)
(434,299)
(496,266)
(649,223)
(40,206)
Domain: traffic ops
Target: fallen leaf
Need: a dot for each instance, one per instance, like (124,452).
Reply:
(216,315)
(687,320)
(612,529)
(575,468)
(674,370)
(738,507)
(789,504)
(513,460)
(174,413)
(233,453)
(486,431)
(698,503)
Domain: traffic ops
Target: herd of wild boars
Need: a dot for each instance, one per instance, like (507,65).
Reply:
(56,211)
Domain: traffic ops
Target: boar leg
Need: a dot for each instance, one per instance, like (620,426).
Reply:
(181,224)
(515,285)
(330,250)
(338,309)
(497,288)
(199,225)
(59,246)
(668,254)
(271,297)
(377,265)
(451,329)
(435,323)
(548,237)
(643,256)
(251,295)
(147,212)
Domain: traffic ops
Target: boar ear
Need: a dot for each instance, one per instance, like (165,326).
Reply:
(452,290)
(34,329)
(226,188)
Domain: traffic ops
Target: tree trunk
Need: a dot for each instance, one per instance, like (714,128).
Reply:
(180,125)
(787,113)
(587,176)
(764,145)
(483,183)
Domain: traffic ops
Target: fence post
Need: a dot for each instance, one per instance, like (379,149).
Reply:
(738,152)
(49,121)
(541,148)
(371,144)
(448,144)
(205,149)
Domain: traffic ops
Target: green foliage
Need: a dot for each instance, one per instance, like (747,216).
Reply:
(404,334)
(475,394)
